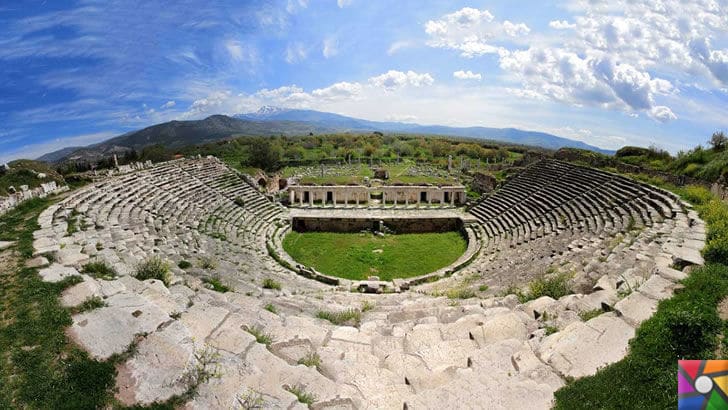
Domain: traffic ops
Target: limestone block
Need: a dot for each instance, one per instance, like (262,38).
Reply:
(108,330)
(36,262)
(57,272)
(231,336)
(657,287)
(636,308)
(77,294)
(500,327)
(582,348)
(156,371)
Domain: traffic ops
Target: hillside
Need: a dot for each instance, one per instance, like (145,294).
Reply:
(24,172)
(278,121)
(344,123)
(176,134)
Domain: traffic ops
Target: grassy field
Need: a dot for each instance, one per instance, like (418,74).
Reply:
(357,256)
(38,367)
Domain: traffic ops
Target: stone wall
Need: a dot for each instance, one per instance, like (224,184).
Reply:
(9,202)
(398,225)
(305,195)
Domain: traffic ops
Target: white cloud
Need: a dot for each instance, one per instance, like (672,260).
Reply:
(564,76)
(467,75)
(330,48)
(168,104)
(392,80)
(240,52)
(471,31)
(561,25)
(515,30)
(398,46)
(295,52)
(338,91)
(343,3)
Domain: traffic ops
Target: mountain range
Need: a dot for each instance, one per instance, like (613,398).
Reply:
(282,121)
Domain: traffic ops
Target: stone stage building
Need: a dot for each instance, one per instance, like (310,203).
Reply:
(361,195)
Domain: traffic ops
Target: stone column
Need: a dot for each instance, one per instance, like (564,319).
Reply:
(452,198)
(300,198)
(369,198)
(357,199)
(292,196)
(384,199)
(334,198)
(310,199)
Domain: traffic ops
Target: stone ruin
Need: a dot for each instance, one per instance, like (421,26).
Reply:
(619,239)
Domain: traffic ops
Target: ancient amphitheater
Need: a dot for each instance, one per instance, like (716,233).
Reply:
(625,243)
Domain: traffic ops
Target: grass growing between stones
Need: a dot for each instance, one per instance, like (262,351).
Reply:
(301,394)
(99,270)
(344,317)
(357,256)
(39,368)
(687,326)
(216,284)
(153,268)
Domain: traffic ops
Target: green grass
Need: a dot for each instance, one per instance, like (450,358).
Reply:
(310,360)
(99,269)
(184,264)
(38,367)
(460,293)
(357,256)
(260,336)
(302,395)
(590,314)
(217,284)
(269,283)
(93,302)
(345,317)
(554,286)
(153,268)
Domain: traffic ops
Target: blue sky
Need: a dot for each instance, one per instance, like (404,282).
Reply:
(608,73)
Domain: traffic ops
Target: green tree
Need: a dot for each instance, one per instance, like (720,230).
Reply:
(265,154)
(719,141)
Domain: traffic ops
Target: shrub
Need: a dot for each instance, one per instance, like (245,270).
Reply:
(310,360)
(184,264)
(460,293)
(590,314)
(716,250)
(302,395)
(207,263)
(153,268)
(260,336)
(271,308)
(349,316)
(555,287)
(269,283)
(99,269)
(483,288)
(217,284)
(551,330)
(91,303)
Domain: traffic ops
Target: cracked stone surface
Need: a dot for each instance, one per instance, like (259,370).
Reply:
(620,241)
